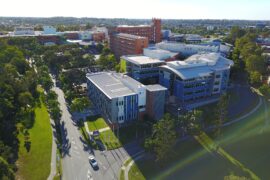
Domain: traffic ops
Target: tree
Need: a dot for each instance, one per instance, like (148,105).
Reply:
(80,104)
(255,77)
(191,122)
(25,99)
(5,171)
(236,32)
(163,138)
(265,90)
(255,63)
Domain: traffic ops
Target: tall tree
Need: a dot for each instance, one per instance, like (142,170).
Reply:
(163,138)
(80,104)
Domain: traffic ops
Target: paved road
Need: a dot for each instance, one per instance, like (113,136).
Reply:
(75,162)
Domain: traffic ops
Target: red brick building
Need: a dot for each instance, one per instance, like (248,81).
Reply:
(99,36)
(43,39)
(152,32)
(127,44)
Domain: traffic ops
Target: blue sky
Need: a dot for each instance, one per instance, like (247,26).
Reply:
(166,9)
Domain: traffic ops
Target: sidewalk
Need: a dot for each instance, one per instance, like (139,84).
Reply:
(53,157)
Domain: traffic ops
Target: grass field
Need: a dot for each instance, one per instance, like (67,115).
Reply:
(35,164)
(110,140)
(135,173)
(243,150)
(95,123)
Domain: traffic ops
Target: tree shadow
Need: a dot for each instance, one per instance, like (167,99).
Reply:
(66,145)
(27,145)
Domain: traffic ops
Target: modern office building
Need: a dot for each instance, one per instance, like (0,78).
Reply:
(121,99)
(197,80)
(160,54)
(186,50)
(142,68)
(152,31)
(127,44)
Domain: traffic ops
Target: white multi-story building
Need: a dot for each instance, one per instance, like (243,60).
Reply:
(186,49)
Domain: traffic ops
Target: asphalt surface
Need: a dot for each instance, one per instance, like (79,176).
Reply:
(75,162)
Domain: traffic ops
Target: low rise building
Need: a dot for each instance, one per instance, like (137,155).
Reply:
(99,36)
(49,30)
(186,50)
(127,44)
(142,68)
(85,35)
(196,81)
(160,54)
(21,31)
(121,99)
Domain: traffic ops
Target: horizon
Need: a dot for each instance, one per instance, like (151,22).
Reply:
(170,9)
(48,17)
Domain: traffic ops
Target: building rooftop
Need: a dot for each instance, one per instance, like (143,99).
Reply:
(114,84)
(155,87)
(129,26)
(130,36)
(199,65)
(178,47)
(157,51)
(140,60)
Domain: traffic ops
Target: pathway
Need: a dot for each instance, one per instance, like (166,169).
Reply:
(53,158)
(54,148)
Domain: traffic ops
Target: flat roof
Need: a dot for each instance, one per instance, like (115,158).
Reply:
(129,36)
(113,84)
(199,65)
(130,26)
(140,60)
(155,87)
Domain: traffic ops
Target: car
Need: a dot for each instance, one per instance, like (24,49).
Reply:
(93,162)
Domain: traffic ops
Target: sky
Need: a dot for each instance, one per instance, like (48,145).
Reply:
(139,9)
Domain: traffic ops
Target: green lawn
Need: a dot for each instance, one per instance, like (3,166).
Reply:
(110,140)
(244,151)
(95,123)
(35,164)
(122,175)
(135,173)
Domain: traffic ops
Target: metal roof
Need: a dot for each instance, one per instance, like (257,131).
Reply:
(113,84)
(140,60)
(199,65)
(155,87)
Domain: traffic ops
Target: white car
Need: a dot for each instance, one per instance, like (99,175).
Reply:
(93,162)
